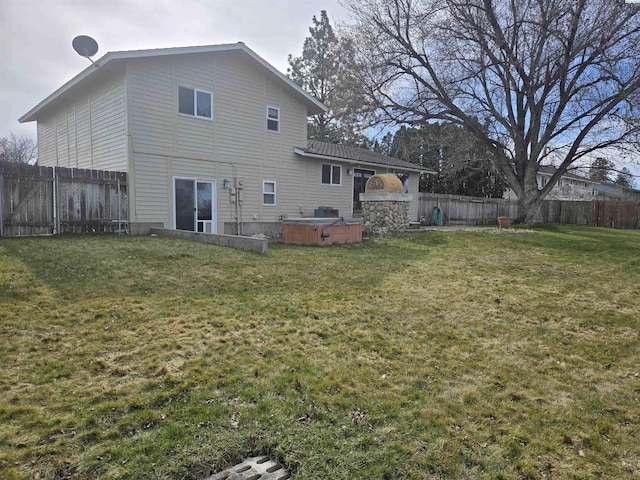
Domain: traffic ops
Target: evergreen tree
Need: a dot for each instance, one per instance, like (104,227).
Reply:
(462,164)
(323,71)
(600,170)
(624,178)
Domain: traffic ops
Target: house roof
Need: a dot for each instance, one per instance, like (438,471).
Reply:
(550,170)
(314,106)
(355,156)
(611,186)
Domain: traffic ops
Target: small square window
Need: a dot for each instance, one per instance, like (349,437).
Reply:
(273,119)
(196,103)
(331,174)
(268,192)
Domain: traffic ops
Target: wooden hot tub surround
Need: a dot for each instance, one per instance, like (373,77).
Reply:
(321,231)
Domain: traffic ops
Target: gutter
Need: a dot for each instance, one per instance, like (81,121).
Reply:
(305,153)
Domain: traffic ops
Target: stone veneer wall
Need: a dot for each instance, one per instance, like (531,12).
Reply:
(384,213)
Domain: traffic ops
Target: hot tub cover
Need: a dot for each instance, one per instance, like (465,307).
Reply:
(322,221)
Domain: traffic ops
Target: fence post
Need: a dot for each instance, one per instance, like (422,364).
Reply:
(56,198)
(1,205)
(118,203)
(466,212)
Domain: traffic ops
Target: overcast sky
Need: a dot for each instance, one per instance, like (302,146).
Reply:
(36,56)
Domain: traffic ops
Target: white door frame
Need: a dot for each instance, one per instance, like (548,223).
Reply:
(213,223)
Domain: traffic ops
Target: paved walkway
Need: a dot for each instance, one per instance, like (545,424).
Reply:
(447,228)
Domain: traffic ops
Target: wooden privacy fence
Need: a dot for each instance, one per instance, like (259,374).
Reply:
(566,212)
(616,214)
(45,200)
(26,199)
(458,209)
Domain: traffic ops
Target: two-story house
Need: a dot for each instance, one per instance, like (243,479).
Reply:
(213,139)
(569,187)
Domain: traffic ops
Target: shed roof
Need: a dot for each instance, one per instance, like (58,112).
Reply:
(355,156)
(314,106)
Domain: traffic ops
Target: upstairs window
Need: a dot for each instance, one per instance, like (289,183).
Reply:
(273,119)
(196,103)
(268,192)
(331,174)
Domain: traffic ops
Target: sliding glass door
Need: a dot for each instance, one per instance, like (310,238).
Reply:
(195,207)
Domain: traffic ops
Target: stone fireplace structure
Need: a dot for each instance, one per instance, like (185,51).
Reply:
(385,206)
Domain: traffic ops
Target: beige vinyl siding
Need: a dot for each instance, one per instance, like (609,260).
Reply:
(61,145)
(235,145)
(108,127)
(194,135)
(154,176)
(251,193)
(152,190)
(46,142)
(316,194)
(299,193)
(86,129)
(290,188)
(269,213)
(83,130)
(192,169)
(156,126)
(239,101)
(339,197)
(152,106)
(225,209)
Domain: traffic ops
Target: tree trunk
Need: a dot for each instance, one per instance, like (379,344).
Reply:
(529,206)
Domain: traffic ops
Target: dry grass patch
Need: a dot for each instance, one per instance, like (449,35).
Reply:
(438,355)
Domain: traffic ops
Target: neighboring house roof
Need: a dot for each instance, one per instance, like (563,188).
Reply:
(614,190)
(356,156)
(314,106)
(550,170)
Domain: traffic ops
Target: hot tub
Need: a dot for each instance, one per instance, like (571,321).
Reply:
(321,231)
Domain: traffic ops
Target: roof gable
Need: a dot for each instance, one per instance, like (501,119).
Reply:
(314,106)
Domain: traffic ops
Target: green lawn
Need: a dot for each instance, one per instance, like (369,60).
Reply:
(461,355)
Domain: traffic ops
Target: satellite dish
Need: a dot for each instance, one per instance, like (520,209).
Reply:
(85,46)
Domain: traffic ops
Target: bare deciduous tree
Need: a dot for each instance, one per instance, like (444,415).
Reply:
(534,80)
(18,149)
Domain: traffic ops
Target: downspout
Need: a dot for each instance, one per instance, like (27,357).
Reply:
(237,183)
(237,212)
